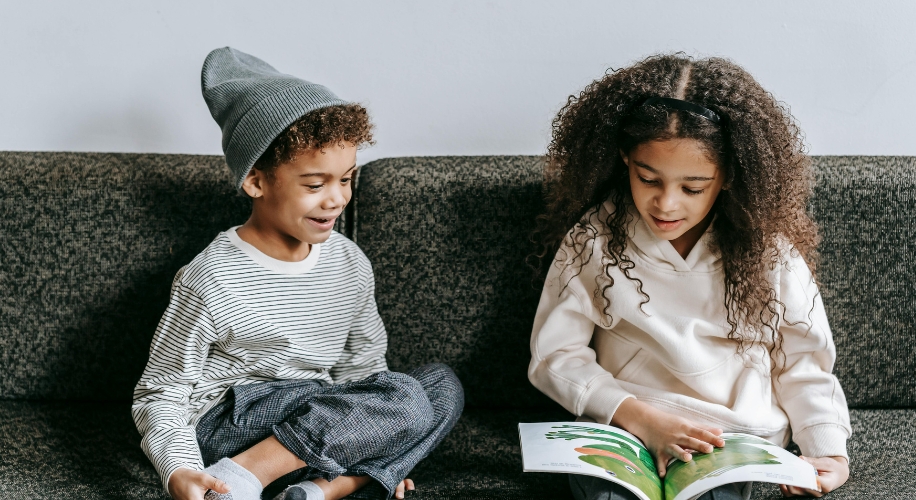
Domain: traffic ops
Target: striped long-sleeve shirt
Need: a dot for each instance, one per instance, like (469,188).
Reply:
(237,316)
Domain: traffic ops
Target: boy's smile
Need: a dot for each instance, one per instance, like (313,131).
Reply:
(297,204)
(674,186)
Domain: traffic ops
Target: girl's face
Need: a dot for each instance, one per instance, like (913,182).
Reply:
(674,186)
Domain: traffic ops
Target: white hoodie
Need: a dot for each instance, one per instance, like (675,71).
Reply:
(673,352)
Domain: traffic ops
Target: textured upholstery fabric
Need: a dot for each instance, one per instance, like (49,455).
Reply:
(448,239)
(865,208)
(89,244)
(92,451)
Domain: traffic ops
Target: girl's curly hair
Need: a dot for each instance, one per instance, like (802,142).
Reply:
(758,148)
(318,129)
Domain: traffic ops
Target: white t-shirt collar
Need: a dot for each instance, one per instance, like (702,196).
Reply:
(268,262)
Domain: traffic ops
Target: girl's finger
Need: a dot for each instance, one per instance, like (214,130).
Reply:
(801,492)
(399,490)
(675,451)
(409,483)
(697,444)
(708,436)
(715,431)
(661,464)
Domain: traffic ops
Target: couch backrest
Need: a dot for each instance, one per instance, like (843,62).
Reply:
(89,244)
(864,206)
(448,238)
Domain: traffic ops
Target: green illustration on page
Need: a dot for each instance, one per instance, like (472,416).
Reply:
(618,456)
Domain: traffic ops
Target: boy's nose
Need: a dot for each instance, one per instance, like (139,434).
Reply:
(336,198)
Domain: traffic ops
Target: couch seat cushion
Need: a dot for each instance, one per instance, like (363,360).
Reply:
(91,451)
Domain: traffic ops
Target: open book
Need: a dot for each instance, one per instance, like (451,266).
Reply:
(616,455)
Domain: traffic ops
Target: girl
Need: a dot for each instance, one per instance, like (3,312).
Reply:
(683,302)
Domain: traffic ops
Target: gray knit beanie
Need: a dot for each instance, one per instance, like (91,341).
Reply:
(253,103)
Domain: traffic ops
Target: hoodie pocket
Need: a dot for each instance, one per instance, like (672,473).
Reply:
(633,366)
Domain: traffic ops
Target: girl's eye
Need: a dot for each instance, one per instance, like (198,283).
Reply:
(314,187)
(693,192)
(346,180)
(647,181)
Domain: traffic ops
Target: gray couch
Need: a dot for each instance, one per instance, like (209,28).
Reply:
(90,243)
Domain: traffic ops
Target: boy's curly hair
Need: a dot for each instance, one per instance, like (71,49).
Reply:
(759,149)
(318,129)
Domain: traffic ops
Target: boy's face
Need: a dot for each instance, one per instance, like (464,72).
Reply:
(302,199)
(674,186)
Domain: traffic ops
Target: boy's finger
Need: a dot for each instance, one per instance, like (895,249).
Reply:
(216,485)
(409,483)
(399,490)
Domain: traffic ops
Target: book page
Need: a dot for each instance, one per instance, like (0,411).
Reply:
(744,458)
(591,449)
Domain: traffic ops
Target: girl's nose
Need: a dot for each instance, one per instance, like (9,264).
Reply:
(666,201)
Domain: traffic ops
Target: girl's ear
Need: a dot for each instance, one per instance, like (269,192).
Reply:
(625,157)
(253,183)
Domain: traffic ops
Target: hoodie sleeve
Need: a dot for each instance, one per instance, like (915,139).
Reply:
(806,389)
(563,366)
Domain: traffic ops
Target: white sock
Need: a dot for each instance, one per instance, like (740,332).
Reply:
(244,484)
(305,490)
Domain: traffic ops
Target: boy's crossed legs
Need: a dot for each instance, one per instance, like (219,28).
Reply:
(309,432)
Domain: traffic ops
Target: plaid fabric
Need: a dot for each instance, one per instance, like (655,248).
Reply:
(593,488)
(381,426)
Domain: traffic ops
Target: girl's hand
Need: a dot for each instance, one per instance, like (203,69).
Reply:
(187,484)
(832,473)
(406,484)
(666,436)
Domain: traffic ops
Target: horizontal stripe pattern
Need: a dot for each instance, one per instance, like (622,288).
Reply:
(231,321)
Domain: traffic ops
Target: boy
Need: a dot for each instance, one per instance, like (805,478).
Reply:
(269,361)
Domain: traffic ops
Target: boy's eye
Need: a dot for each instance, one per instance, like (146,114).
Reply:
(314,187)
(346,180)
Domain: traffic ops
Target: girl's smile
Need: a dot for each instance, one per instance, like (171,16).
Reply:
(666,225)
(674,186)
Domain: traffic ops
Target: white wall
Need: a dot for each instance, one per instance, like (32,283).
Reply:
(462,77)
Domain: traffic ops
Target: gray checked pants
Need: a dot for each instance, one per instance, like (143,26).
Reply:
(381,426)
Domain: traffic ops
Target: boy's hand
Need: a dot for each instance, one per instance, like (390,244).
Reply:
(187,484)
(832,473)
(666,436)
(406,484)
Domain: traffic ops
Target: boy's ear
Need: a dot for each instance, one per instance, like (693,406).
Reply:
(253,183)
